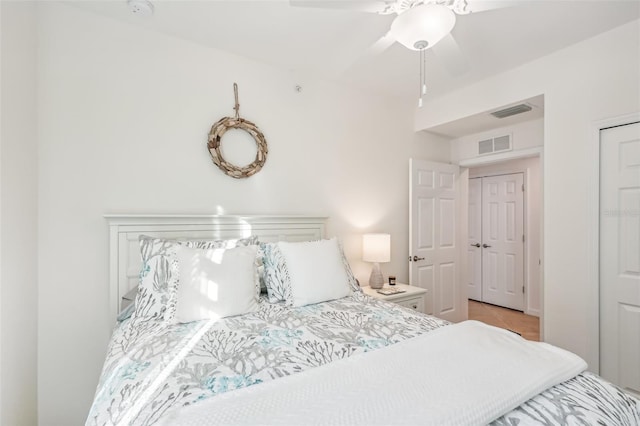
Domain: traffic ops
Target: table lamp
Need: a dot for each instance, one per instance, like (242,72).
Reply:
(376,248)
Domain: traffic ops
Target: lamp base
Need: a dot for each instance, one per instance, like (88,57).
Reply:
(376,280)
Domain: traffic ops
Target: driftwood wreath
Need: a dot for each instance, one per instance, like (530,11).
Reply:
(221,127)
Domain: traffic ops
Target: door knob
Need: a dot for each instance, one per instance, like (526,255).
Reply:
(485,246)
(475,245)
(416,258)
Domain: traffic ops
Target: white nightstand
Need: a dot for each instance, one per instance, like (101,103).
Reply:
(412,298)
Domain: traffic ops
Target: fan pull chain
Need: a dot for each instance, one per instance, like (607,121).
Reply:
(424,72)
(423,77)
(420,92)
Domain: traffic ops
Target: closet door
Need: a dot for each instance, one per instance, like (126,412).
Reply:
(503,240)
(620,256)
(474,249)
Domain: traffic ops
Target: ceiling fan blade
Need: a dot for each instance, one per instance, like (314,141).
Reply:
(450,55)
(370,6)
(344,62)
(474,6)
(382,44)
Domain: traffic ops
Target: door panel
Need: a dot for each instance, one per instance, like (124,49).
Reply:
(434,215)
(425,280)
(447,288)
(474,253)
(510,274)
(503,245)
(620,256)
(425,228)
(630,348)
(447,222)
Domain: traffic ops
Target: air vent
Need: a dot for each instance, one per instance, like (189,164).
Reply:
(502,143)
(497,144)
(485,147)
(508,112)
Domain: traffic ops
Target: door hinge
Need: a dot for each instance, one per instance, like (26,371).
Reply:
(523,187)
(523,238)
(522,289)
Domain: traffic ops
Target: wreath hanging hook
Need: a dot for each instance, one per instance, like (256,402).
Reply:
(221,127)
(235,94)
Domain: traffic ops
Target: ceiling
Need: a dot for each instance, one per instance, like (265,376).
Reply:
(331,43)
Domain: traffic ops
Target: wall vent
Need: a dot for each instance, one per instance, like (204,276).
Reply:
(508,112)
(497,144)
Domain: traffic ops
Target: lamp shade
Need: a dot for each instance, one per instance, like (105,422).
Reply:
(423,26)
(376,248)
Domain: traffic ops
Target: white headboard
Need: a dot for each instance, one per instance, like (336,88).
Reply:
(124,252)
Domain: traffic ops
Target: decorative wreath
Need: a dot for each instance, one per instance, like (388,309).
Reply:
(221,127)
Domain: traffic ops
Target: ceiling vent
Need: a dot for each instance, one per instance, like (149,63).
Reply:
(508,112)
(497,144)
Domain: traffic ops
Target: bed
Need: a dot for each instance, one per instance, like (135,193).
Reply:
(301,356)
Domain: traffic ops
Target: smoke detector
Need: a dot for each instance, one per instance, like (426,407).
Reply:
(142,8)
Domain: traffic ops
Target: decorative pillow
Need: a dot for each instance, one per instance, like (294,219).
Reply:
(214,283)
(153,296)
(275,276)
(316,272)
(353,282)
(263,286)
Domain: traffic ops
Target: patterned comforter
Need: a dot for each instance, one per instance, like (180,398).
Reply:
(152,368)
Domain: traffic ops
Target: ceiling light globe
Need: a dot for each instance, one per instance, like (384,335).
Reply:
(426,23)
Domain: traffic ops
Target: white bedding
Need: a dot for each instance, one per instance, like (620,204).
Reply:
(463,374)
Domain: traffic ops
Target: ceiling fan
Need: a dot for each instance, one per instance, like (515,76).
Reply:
(419,25)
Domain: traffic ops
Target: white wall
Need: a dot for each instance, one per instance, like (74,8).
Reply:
(592,80)
(18,214)
(123,117)
(533,215)
(437,146)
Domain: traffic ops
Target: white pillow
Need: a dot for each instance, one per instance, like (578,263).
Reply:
(316,271)
(215,283)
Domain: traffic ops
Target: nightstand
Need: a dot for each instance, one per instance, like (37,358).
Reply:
(412,298)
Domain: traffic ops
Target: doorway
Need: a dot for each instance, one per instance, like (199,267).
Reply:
(508,272)
(496,240)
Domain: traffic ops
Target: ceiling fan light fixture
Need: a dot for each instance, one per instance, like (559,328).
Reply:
(143,8)
(423,26)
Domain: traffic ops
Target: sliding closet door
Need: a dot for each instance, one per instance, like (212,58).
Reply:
(620,256)
(503,240)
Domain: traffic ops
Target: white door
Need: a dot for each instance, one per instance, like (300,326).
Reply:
(620,256)
(503,240)
(433,250)
(474,249)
